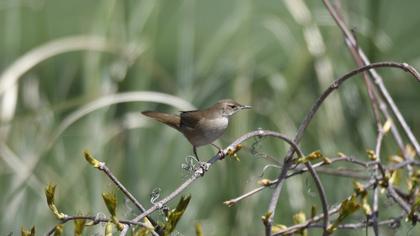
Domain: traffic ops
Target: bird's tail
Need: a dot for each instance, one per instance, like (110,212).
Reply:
(168,119)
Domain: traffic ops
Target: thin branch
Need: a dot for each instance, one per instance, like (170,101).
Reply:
(322,195)
(376,100)
(124,231)
(373,96)
(107,171)
(352,43)
(359,56)
(403,164)
(397,136)
(335,85)
(297,227)
(198,173)
(230,150)
(391,222)
(344,173)
(276,193)
(378,169)
(394,195)
(308,223)
(102,167)
(317,166)
(332,161)
(95,220)
(288,163)
(233,201)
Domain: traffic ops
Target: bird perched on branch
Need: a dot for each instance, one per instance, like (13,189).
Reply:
(201,127)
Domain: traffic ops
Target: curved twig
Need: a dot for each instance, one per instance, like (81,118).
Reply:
(318,167)
(352,43)
(95,220)
(104,168)
(310,222)
(230,150)
(285,169)
(390,222)
(404,205)
(336,84)
(322,195)
(305,123)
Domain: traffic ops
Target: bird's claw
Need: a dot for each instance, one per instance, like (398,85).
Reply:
(202,167)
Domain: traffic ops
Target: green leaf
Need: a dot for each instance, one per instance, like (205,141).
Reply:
(415,207)
(348,207)
(108,228)
(312,156)
(111,202)
(313,211)
(266,217)
(49,194)
(277,228)
(143,231)
(58,231)
(300,218)
(26,232)
(79,225)
(198,230)
(175,215)
(89,158)
(362,193)
(371,154)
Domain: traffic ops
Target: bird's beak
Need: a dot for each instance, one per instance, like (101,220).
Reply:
(246,107)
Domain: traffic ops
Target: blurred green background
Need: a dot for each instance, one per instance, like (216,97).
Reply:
(275,55)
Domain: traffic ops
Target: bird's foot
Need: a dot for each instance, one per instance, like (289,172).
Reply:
(202,167)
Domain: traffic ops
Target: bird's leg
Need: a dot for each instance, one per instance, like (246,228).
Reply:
(195,153)
(203,165)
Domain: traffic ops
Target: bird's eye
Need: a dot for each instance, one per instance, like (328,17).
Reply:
(232,105)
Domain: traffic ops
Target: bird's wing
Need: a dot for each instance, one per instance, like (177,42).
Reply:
(188,120)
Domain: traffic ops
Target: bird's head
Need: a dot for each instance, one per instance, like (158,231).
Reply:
(229,107)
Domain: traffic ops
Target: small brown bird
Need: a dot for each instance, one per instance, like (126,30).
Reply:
(201,127)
